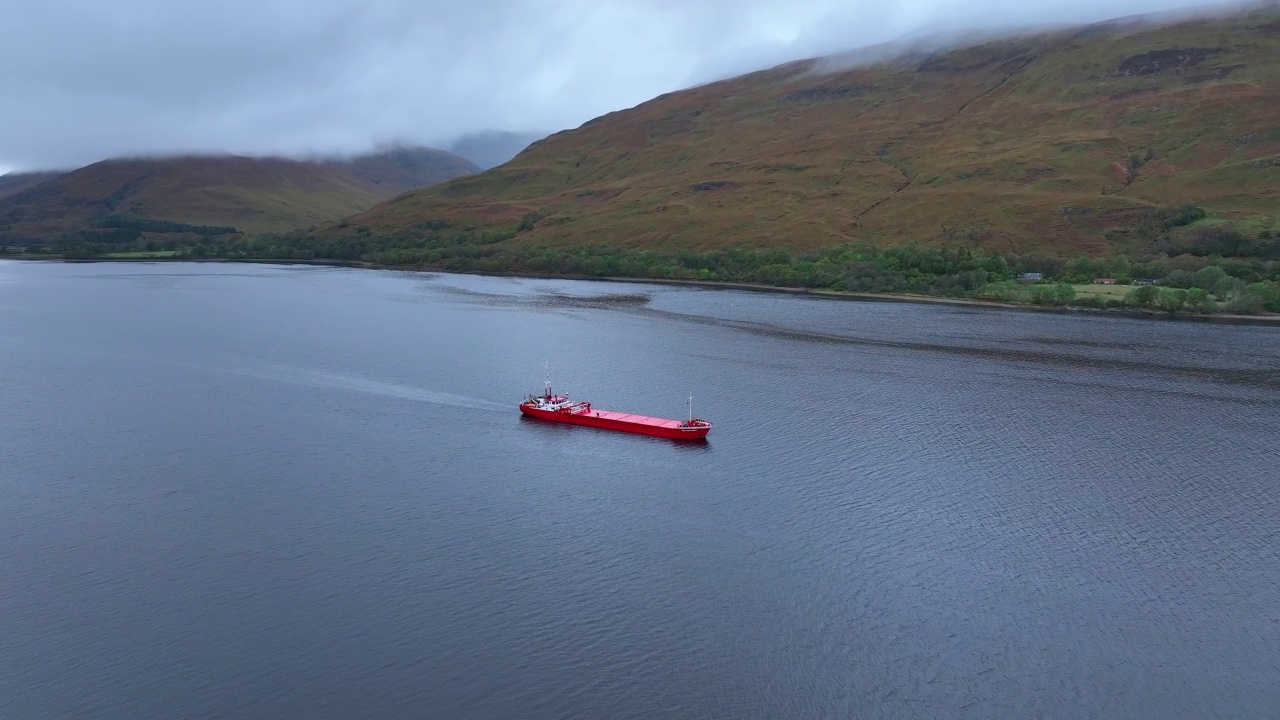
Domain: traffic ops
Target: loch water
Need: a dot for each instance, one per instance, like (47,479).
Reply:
(252,491)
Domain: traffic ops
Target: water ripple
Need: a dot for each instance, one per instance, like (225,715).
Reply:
(286,493)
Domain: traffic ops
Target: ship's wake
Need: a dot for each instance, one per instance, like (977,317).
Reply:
(353,383)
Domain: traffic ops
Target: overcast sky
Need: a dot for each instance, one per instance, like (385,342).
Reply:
(81,80)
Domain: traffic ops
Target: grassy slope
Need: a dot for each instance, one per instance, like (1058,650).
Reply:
(1016,144)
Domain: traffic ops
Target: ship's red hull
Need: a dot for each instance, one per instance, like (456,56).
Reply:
(623,422)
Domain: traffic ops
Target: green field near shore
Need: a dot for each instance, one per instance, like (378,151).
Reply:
(1105,292)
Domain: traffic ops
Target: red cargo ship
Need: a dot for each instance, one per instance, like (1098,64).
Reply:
(559,408)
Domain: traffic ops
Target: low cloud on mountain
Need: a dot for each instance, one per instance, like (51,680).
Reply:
(81,80)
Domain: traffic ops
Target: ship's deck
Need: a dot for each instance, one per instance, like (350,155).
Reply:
(633,419)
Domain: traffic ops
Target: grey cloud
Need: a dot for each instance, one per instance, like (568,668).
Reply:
(81,80)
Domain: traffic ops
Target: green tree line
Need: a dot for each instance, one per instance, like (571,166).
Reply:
(141,225)
(1187,282)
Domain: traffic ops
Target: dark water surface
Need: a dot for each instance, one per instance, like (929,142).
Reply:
(270,492)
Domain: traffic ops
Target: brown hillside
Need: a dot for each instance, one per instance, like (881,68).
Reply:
(1057,141)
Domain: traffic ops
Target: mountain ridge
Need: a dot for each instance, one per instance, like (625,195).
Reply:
(251,194)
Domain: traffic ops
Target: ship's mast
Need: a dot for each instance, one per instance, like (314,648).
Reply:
(546,365)
(690,408)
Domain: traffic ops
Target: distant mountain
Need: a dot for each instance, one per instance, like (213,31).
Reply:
(13,183)
(1068,142)
(252,195)
(394,170)
(492,148)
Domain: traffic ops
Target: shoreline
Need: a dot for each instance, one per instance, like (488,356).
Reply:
(1222,319)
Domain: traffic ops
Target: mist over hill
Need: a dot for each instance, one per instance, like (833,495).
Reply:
(395,169)
(493,147)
